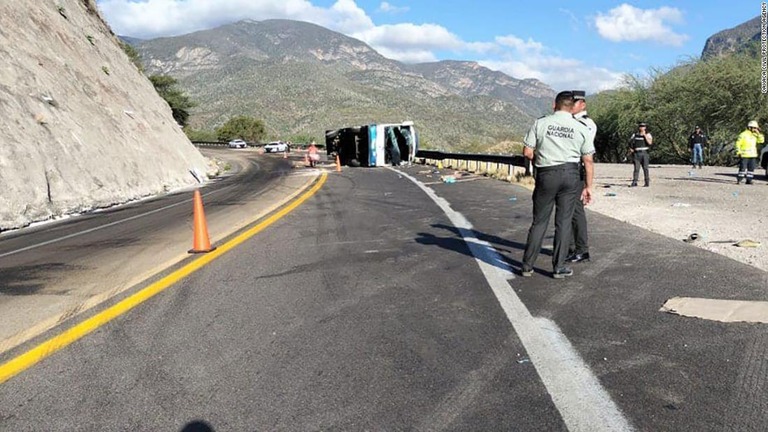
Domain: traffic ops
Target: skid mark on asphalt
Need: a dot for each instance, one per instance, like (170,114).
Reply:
(576,392)
(749,402)
(465,393)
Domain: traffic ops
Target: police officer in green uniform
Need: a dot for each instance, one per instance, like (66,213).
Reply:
(579,247)
(557,143)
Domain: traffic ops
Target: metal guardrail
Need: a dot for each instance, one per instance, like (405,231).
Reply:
(211,144)
(226,144)
(511,160)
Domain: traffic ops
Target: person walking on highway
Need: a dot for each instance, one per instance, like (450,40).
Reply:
(746,150)
(639,144)
(579,246)
(557,143)
(314,155)
(697,141)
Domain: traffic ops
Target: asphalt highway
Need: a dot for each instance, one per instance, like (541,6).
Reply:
(380,303)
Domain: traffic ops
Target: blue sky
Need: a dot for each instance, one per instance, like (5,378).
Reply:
(588,44)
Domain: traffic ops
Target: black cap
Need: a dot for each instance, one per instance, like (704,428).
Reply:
(579,94)
(642,124)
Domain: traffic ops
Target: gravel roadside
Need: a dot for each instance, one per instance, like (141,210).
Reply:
(682,201)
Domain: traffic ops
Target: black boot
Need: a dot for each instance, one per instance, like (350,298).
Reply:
(634,184)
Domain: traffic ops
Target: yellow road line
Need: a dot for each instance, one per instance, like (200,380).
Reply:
(26,360)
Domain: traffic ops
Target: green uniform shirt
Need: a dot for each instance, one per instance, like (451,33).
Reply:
(558,139)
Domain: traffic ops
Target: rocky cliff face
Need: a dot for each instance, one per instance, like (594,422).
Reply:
(80,128)
(741,38)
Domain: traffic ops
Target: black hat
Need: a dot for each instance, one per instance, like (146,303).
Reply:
(642,124)
(579,94)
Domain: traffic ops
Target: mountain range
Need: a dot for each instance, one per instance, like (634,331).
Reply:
(745,37)
(303,79)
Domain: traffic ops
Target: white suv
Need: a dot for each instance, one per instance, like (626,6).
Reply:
(764,159)
(276,147)
(238,143)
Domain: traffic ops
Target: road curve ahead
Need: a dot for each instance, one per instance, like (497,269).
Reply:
(341,315)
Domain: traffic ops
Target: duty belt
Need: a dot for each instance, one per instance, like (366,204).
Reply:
(641,149)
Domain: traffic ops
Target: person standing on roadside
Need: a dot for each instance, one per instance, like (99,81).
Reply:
(557,143)
(746,150)
(697,141)
(579,247)
(313,154)
(639,144)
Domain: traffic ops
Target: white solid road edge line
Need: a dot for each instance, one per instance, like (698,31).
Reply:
(576,392)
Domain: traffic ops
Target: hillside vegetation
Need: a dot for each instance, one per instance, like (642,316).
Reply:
(302,79)
(720,93)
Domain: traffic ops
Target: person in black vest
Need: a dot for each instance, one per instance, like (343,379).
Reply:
(696,142)
(639,144)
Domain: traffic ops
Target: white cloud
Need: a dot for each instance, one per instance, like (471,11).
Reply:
(387,7)
(154,18)
(628,23)
(518,44)
(531,59)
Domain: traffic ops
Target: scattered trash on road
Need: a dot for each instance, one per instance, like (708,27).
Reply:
(747,243)
(681,205)
(524,360)
(691,174)
(611,194)
(735,194)
(692,238)
(448,179)
(514,198)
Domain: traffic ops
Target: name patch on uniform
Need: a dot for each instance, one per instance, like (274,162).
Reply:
(560,131)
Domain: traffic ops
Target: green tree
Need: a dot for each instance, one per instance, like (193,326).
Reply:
(180,103)
(200,134)
(719,94)
(243,127)
(133,55)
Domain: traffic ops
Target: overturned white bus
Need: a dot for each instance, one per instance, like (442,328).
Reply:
(374,144)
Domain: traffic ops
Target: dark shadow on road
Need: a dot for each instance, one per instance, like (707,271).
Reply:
(197,426)
(496,255)
(704,180)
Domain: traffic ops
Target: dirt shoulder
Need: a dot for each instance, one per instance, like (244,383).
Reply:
(682,201)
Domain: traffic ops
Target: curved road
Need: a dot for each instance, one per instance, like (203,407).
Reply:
(376,305)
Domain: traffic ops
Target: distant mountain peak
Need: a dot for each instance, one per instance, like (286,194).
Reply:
(733,40)
(301,77)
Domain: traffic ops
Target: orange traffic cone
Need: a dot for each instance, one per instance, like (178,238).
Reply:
(201,243)
(338,164)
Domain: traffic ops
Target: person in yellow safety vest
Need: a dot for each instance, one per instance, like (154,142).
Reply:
(746,150)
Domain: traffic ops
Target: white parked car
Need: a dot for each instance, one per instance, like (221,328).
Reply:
(276,147)
(238,143)
(764,159)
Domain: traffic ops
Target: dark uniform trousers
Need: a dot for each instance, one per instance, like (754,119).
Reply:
(642,159)
(559,186)
(580,243)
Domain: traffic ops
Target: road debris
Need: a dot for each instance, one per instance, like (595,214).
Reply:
(747,243)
